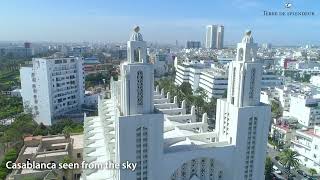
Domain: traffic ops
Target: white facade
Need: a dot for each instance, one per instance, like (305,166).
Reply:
(315,80)
(214,83)
(143,126)
(214,79)
(214,36)
(52,87)
(305,109)
(307,143)
(189,73)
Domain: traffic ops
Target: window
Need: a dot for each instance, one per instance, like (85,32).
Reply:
(252,82)
(140,88)
(78,155)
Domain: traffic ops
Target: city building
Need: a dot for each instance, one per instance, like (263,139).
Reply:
(162,62)
(193,44)
(142,125)
(315,80)
(214,36)
(52,87)
(306,142)
(214,82)
(281,133)
(213,77)
(93,65)
(267,46)
(190,72)
(19,51)
(49,149)
(306,109)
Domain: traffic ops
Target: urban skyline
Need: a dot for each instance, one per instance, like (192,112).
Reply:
(101,21)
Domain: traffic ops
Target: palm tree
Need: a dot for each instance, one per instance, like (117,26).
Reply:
(312,171)
(289,158)
(66,132)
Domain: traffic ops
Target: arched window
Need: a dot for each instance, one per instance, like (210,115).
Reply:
(136,55)
(140,88)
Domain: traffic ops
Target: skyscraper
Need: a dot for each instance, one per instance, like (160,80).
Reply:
(148,127)
(214,36)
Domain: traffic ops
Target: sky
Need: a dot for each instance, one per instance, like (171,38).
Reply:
(161,21)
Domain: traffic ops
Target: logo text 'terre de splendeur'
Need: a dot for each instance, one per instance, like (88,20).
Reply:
(288,6)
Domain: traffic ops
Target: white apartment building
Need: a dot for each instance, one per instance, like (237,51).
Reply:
(141,125)
(307,143)
(52,87)
(305,109)
(282,94)
(214,79)
(214,36)
(190,72)
(214,82)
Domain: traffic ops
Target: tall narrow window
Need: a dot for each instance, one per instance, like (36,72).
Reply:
(136,55)
(140,88)
(233,85)
(252,82)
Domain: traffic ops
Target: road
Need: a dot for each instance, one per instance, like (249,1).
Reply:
(273,153)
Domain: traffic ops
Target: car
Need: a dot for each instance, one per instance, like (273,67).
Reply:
(276,169)
(302,173)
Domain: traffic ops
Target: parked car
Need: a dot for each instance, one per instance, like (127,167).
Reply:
(302,173)
(276,169)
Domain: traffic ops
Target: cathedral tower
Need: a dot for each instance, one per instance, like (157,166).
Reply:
(137,78)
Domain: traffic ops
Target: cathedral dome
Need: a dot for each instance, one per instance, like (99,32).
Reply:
(247,37)
(136,36)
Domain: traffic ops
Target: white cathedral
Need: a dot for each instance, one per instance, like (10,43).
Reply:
(140,124)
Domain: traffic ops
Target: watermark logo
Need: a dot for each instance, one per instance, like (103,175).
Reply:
(288,11)
(288,5)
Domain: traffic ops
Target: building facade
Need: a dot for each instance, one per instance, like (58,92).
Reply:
(214,36)
(146,126)
(52,87)
(193,44)
(306,109)
(306,142)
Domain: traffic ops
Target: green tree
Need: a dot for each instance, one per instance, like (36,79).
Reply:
(289,158)
(66,132)
(276,109)
(268,168)
(67,173)
(186,89)
(312,171)
(225,94)
(11,155)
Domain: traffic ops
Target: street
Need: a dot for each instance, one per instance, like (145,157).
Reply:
(273,153)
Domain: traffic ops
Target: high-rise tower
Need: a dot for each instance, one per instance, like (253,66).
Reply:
(214,37)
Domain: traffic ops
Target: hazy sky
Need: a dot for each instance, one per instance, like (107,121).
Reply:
(162,21)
